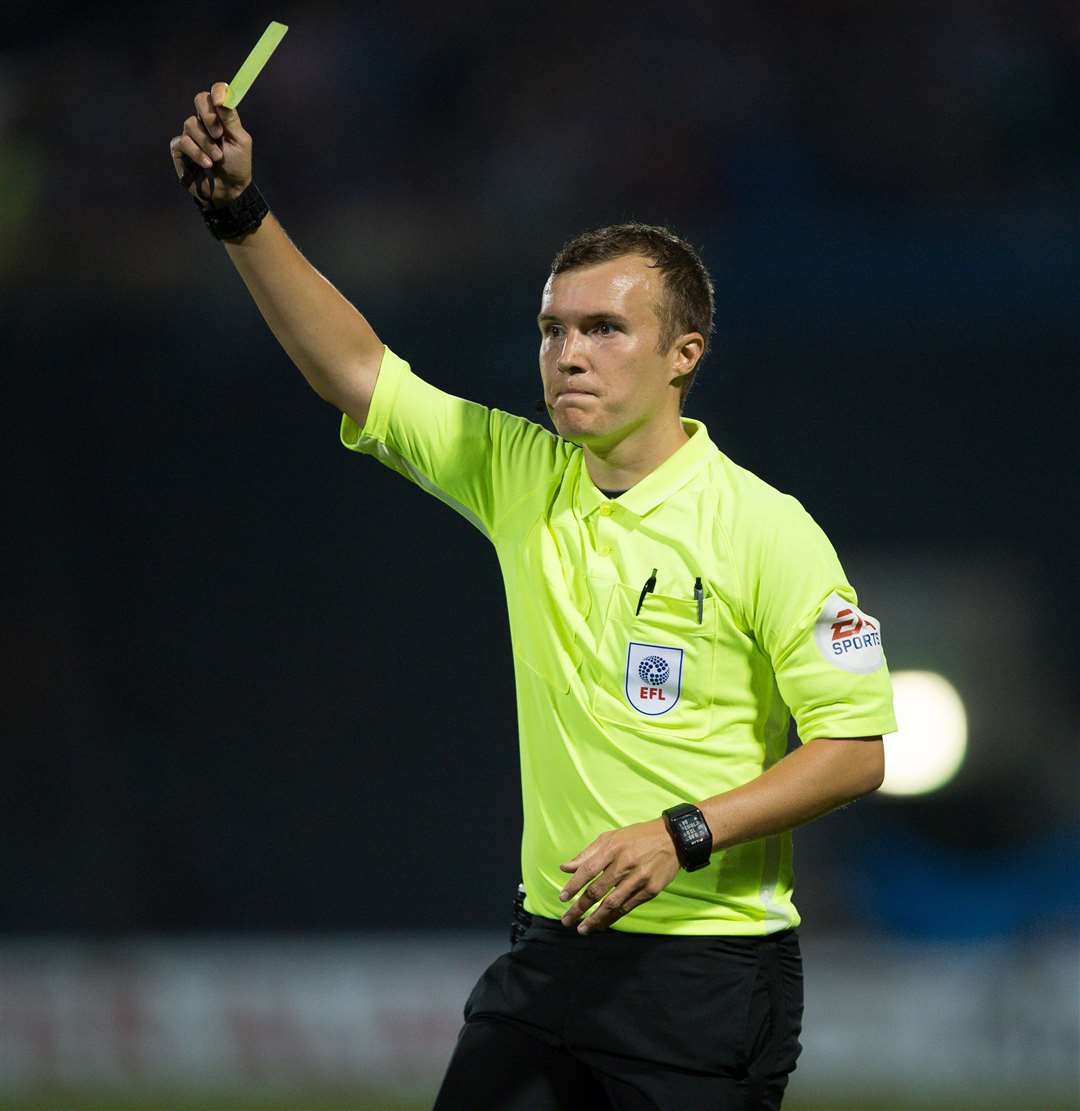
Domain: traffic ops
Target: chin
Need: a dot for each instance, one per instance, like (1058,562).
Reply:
(571,429)
(578,423)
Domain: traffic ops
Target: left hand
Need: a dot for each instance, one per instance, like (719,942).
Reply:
(624,867)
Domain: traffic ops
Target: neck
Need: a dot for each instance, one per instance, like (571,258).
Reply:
(619,465)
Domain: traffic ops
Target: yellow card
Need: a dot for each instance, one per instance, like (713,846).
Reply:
(259,56)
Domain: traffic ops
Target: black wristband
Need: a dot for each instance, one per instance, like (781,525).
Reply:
(691,834)
(238,217)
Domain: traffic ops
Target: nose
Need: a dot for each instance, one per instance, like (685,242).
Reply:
(569,360)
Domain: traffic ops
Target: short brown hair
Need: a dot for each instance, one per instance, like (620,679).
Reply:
(690,300)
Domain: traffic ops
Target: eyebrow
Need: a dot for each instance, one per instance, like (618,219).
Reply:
(586,318)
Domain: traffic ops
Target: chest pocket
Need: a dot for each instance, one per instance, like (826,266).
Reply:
(654,670)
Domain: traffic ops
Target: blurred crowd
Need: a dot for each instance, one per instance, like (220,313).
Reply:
(438,137)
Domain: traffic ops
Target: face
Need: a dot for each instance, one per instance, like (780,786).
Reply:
(603,376)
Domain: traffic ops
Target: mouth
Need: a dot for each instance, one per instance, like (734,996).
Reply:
(574,393)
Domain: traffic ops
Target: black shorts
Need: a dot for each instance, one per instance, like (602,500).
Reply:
(630,1022)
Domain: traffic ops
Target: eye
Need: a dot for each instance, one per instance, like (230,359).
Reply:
(605,328)
(552,329)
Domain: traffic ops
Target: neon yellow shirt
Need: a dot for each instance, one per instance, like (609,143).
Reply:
(623,714)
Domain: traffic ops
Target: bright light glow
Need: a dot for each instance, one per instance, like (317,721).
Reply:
(931,740)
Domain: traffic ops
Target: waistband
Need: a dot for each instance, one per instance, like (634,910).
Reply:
(554,925)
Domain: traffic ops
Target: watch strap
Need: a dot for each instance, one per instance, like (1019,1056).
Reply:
(241,215)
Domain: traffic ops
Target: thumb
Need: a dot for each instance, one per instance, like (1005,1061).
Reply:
(229,117)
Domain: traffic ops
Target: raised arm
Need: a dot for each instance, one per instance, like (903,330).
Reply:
(328,339)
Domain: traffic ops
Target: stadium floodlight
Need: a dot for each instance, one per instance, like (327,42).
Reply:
(931,740)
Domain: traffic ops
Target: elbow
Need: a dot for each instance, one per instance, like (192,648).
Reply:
(874,773)
(865,767)
(855,766)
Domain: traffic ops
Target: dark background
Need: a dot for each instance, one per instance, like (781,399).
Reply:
(253,681)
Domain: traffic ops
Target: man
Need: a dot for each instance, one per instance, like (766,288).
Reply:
(668,612)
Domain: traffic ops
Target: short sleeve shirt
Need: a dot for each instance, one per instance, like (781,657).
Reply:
(630,700)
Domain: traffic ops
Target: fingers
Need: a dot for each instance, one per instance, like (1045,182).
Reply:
(592,894)
(585,866)
(185,145)
(187,161)
(615,898)
(196,131)
(616,904)
(182,166)
(208,117)
(186,165)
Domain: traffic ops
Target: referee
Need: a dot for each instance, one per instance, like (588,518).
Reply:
(669,612)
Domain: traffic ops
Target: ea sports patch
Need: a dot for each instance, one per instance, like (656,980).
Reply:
(847,637)
(653,677)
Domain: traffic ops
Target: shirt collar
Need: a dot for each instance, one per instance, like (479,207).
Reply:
(657,486)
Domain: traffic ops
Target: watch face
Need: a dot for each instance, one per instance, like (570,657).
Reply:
(692,830)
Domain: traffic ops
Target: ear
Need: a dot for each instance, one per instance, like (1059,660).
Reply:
(686,353)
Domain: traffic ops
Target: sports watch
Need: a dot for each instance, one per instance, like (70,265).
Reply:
(691,834)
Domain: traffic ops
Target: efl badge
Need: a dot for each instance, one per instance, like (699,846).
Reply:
(653,677)
(847,637)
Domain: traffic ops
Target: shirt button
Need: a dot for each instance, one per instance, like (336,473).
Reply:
(606,510)
(605,550)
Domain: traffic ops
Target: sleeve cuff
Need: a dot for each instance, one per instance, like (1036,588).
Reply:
(841,726)
(392,372)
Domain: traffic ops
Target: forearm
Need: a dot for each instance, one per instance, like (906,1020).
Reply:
(816,778)
(330,342)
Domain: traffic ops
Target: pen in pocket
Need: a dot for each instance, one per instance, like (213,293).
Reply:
(650,585)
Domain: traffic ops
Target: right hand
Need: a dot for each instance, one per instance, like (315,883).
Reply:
(213,135)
